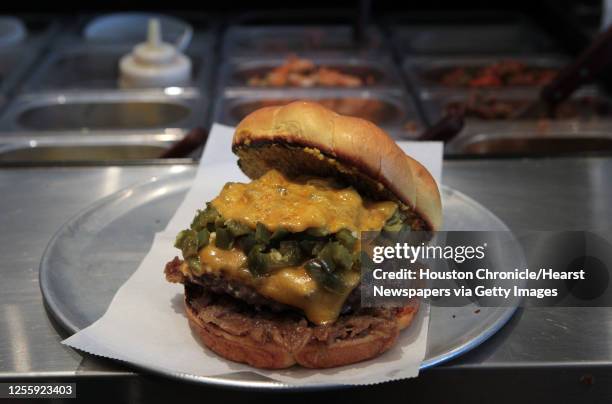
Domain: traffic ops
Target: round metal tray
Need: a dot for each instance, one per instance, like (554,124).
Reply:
(78,280)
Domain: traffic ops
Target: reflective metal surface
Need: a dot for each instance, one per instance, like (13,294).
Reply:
(93,115)
(88,153)
(34,204)
(78,281)
(52,147)
(544,194)
(104,111)
(532,145)
(70,105)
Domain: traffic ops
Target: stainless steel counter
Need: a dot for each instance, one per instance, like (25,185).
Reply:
(568,350)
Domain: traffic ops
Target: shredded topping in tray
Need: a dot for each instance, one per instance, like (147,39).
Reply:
(298,72)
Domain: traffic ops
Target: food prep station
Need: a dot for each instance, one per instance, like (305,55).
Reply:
(66,93)
(69,135)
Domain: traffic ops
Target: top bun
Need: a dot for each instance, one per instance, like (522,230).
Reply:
(305,138)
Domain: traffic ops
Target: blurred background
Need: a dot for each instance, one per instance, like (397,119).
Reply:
(131,81)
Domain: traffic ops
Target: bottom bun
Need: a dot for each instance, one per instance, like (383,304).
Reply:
(270,340)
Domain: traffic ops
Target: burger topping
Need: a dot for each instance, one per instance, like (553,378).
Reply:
(296,206)
(294,242)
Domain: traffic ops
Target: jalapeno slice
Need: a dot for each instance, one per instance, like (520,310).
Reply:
(247,242)
(236,228)
(336,256)
(291,252)
(262,261)
(205,218)
(317,231)
(195,265)
(203,238)
(224,238)
(257,260)
(346,238)
(320,271)
(187,242)
(262,234)
(279,234)
(395,222)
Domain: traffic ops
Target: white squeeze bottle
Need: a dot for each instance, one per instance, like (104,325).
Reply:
(154,63)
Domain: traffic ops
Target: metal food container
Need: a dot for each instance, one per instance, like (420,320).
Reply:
(469,39)
(71,107)
(60,148)
(584,107)
(425,73)
(520,139)
(278,39)
(374,73)
(104,111)
(394,111)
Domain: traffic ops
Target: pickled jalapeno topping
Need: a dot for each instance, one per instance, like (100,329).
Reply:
(203,238)
(205,218)
(187,242)
(320,271)
(321,252)
(346,238)
(223,238)
(295,241)
(237,229)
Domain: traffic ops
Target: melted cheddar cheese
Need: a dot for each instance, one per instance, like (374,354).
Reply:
(291,286)
(277,201)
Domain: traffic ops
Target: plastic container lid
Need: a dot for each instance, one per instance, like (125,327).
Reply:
(132,27)
(12,31)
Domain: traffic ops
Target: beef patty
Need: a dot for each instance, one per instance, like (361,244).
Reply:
(221,285)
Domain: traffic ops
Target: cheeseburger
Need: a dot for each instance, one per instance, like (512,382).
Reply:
(271,267)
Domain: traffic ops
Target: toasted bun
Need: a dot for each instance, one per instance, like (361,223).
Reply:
(306,138)
(277,341)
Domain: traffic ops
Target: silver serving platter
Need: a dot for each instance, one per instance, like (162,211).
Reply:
(94,253)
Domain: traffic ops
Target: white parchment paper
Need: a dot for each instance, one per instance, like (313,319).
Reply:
(145,323)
